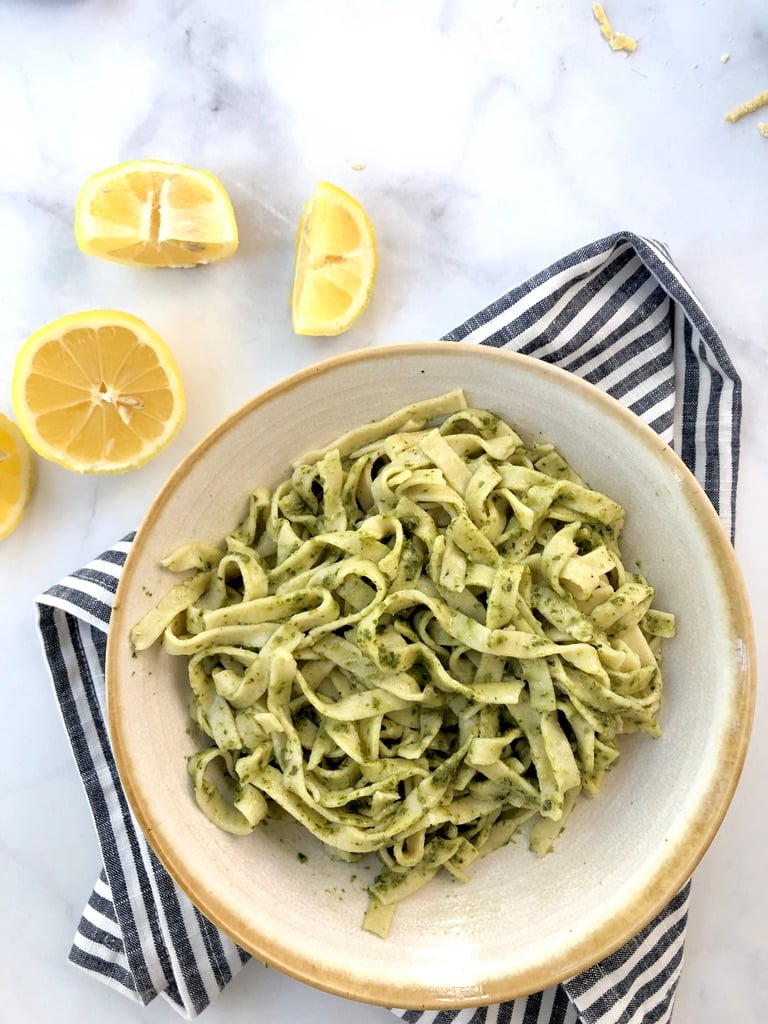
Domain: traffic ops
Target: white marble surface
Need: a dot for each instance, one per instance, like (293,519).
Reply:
(494,138)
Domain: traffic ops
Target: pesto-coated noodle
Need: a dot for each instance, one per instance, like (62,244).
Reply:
(421,639)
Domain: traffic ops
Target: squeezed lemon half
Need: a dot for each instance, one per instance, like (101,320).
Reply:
(152,213)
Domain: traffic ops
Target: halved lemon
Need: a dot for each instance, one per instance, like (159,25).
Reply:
(97,392)
(17,475)
(336,262)
(152,213)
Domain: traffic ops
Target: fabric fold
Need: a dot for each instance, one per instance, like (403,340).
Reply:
(616,312)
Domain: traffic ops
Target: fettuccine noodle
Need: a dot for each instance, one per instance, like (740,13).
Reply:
(422,638)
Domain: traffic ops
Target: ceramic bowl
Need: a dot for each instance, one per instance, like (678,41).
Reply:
(521,923)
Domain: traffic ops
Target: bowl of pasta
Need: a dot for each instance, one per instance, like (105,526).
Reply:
(431,675)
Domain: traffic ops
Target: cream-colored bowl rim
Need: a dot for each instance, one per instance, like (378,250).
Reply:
(646,903)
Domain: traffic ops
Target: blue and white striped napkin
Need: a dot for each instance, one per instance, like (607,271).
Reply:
(616,312)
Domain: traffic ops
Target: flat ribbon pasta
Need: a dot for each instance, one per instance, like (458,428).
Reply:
(422,638)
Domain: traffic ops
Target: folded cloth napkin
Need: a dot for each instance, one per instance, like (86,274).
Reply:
(616,312)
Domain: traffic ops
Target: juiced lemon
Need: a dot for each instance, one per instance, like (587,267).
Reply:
(152,213)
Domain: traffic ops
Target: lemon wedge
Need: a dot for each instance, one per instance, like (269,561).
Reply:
(152,213)
(97,392)
(17,476)
(336,262)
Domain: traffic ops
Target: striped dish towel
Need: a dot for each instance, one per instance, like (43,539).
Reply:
(616,312)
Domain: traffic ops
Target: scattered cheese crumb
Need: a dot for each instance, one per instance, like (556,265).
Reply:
(602,20)
(617,40)
(357,167)
(622,42)
(763,129)
(761,100)
(725,58)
